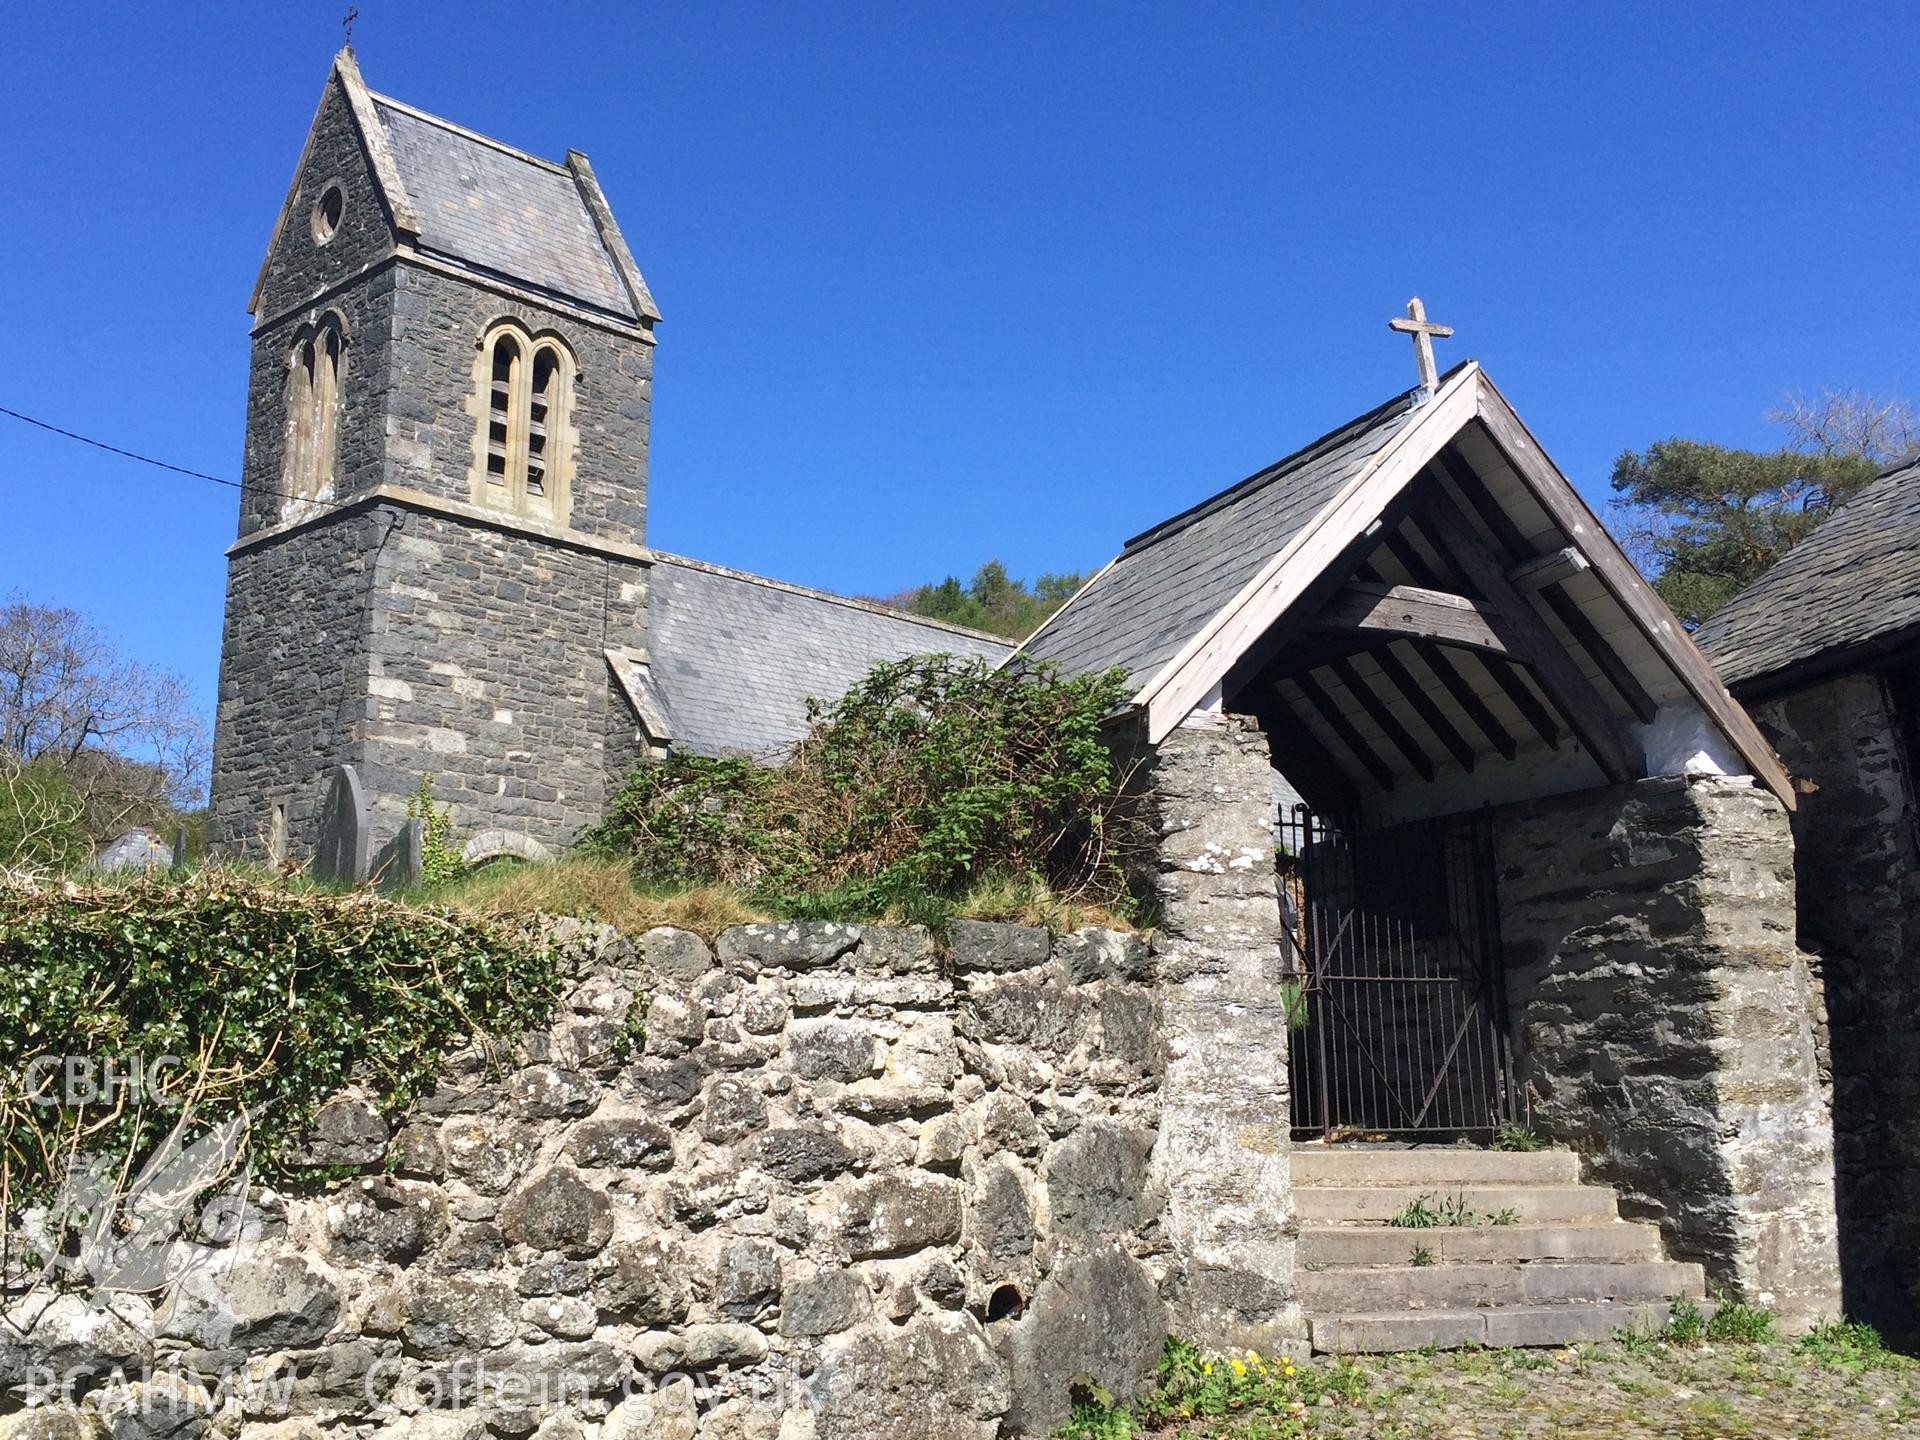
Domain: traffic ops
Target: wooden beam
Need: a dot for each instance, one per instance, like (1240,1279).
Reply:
(1512,681)
(1343,730)
(1296,624)
(1467,698)
(1619,674)
(1573,695)
(1416,614)
(1564,506)
(1415,694)
(1510,542)
(1321,780)
(1413,562)
(1551,569)
(1507,536)
(1384,717)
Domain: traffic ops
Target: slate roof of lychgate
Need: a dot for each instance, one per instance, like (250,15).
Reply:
(1169,581)
(736,656)
(1855,580)
(503,211)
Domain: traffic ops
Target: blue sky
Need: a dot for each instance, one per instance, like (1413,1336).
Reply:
(950,282)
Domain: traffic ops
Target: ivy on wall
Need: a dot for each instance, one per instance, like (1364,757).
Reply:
(227,995)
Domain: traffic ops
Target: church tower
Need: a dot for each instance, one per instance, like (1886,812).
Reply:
(440,566)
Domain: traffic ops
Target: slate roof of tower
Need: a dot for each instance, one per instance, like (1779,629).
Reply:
(1172,579)
(488,205)
(735,656)
(1853,582)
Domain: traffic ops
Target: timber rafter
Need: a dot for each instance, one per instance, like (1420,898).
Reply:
(1472,593)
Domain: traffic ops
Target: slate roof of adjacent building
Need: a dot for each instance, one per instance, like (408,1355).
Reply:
(488,205)
(1170,580)
(1851,584)
(736,656)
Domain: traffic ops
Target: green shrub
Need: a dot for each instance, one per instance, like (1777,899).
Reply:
(1848,1345)
(274,998)
(42,817)
(1096,1417)
(1741,1324)
(1686,1325)
(1416,1214)
(1197,1385)
(929,775)
(1517,1137)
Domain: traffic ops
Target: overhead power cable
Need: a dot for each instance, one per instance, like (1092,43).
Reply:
(167,465)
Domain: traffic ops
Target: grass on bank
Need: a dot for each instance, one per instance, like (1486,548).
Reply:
(599,888)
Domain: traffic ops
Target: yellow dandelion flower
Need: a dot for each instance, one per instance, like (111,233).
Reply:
(1207,1369)
(1239,1368)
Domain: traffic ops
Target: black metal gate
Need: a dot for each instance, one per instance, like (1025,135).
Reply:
(1395,990)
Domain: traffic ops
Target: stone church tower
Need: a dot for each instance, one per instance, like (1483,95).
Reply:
(440,564)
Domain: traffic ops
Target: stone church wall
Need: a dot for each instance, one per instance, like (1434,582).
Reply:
(438,322)
(845,1187)
(292,667)
(297,269)
(1663,1016)
(487,668)
(301,281)
(1859,889)
(407,643)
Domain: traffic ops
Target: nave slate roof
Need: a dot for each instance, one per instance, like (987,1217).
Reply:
(736,656)
(1846,594)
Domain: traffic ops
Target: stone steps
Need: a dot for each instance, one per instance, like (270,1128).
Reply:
(1376,1204)
(1434,1169)
(1357,1245)
(1476,1286)
(1561,1267)
(1517,1325)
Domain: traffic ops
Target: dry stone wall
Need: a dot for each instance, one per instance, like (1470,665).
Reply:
(844,1184)
(1664,1022)
(1859,890)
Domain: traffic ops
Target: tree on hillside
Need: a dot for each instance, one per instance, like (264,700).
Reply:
(993,601)
(1704,521)
(105,741)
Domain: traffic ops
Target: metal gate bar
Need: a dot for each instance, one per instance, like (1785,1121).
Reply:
(1399,1003)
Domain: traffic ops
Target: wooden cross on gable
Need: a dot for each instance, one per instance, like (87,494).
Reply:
(1424,331)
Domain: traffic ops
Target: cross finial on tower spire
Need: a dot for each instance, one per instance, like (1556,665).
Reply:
(1424,331)
(346,24)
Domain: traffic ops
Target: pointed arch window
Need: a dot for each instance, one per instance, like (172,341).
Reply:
(314,368)
(527,391)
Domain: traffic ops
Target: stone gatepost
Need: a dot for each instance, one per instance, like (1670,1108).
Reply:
(1222,1151)
(1664,1016)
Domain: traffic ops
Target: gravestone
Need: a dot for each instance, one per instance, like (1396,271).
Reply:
(180,848)
(340,853)
(277,845)
(402,859)
(138,849)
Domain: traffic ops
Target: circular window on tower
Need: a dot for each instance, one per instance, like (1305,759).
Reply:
(326,213)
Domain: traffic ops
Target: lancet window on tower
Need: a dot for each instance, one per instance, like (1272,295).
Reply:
(527,399)
(313,411)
